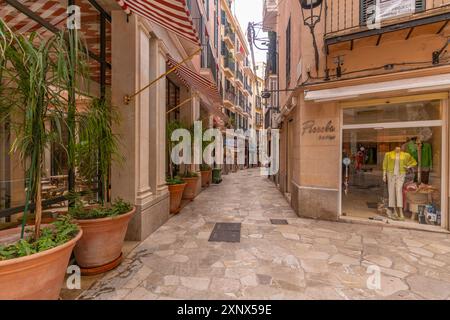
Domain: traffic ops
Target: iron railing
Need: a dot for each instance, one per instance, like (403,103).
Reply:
(229,63)
(345,16)
(209,61)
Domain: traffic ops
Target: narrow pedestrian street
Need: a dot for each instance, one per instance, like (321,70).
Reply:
(305,259)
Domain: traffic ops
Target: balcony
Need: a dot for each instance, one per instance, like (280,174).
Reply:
(349,23)
(229,99)
(239,80)
(247,68)
(270,14)
(229,66)
(229,37)
(209,64)
(258,104)
(240,52)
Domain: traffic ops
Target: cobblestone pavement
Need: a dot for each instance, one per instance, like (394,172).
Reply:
(306,259)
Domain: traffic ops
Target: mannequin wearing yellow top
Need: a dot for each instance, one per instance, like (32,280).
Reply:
(395,166)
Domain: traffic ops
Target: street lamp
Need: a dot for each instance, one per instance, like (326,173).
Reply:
(312,13)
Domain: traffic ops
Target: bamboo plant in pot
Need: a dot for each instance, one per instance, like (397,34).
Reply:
(104,224)
(33,73)
(175,184)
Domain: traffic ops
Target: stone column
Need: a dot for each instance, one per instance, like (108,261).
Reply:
(158,118)
(136,179)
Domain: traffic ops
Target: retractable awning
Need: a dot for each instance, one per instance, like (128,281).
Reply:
(437,82)
(196,81)
(201,84)
(170,14)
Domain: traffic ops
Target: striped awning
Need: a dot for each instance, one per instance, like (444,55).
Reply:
(170,14)
(195,81)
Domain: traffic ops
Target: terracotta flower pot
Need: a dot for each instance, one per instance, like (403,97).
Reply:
(190,192)
(206,178)
(176,193)
(102,240)
(36,277)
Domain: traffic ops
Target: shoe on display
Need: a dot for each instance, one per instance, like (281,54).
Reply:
(392,215)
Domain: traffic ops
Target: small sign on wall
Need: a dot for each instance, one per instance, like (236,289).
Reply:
(319,131)
(394,8)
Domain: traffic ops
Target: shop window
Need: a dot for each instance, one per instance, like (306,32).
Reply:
(172,100)
(414,111)
(392,162)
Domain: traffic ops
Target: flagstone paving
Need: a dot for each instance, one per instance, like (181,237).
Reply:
(306,259)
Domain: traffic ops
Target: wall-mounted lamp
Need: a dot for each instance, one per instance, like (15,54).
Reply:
(312,13)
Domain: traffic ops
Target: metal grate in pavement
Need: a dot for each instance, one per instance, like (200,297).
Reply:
(279,221)
(226,232)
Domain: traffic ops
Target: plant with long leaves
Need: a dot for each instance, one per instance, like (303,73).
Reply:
(37,76)
(98,146)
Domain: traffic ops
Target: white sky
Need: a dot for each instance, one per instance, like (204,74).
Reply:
(250,11)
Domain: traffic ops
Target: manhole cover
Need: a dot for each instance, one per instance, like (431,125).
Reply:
(279,221)
(226,232)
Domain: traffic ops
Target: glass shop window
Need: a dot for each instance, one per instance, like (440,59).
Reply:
(393,172)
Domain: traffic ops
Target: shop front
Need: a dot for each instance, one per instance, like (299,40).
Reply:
(393,160)
(378,156)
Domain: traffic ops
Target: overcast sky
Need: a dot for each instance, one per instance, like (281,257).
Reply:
(249,11)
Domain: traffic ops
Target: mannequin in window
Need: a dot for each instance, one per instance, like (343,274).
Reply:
(423,154)
(395,166)
(360,158)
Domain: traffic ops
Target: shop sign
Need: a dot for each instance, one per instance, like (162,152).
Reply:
(323,130)
(394,8)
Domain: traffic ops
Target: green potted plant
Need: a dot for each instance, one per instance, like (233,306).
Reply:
(175,184)
(33,260)
(217,175)
(104,224)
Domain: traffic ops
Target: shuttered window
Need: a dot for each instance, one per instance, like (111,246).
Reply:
(288,51)
(364,14)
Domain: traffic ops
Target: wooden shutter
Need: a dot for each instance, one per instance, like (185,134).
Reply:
(420,5)
(363,6)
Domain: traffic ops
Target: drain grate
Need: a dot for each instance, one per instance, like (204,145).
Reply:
(279,221)
(226,232)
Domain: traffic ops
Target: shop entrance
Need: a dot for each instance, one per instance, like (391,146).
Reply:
(392,162)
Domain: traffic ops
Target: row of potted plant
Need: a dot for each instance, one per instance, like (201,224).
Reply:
(184,186)
(44,77)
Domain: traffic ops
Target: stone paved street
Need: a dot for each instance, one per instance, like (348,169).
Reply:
(306,259)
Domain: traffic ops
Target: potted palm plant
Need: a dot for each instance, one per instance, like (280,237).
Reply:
(33,260)
(175,184)
(104,224)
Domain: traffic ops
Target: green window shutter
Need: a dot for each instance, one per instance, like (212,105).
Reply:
(420,5)
(223,17)
(363,7)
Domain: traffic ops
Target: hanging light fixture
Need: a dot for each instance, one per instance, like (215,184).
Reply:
(312,13)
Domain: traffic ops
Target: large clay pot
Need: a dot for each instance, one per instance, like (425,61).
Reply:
(206,178)
(176,193)
(36,277)
(102,240)
(190,192)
